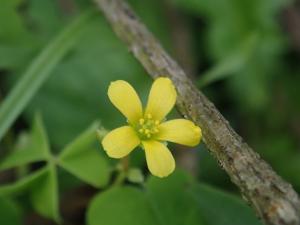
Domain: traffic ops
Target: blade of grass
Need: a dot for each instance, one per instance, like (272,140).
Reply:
(39,70)
(230,65)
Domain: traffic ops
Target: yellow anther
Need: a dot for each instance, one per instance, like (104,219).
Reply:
(142,121)
(147,126)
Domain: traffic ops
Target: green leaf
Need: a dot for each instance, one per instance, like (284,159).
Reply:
(171,200)
(47,16)
(38,72)
(42,186)
(44,194)
(10,213)
(16,43)
(23,184)
(230,65)
(12,29)
(175,200)
(164,201)
(220,208)
(14,56)
(83,160)
(121,205)
(34,148)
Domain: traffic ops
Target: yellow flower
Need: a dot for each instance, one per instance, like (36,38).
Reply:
(148,128)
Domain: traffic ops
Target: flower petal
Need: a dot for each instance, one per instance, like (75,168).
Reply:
(180,131)
(120,142)
(161,99)
(159,159)
(125,98)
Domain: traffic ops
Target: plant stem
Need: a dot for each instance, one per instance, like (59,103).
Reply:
(122,171)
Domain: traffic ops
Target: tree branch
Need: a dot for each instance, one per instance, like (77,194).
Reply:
(273,199)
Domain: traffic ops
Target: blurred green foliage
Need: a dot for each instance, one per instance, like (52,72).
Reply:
(175,200)
(228,31)
(246,65)
(10,213)
(81,158)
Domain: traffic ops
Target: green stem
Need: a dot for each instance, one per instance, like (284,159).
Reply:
(124,163)
(39,70)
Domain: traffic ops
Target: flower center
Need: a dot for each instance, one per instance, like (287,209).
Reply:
(147,127)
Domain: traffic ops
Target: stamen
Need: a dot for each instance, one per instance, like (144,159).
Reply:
(147,126)
(142,121)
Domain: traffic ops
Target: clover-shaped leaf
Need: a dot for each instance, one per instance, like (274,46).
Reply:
(82,159)
(32,147)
